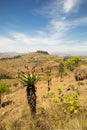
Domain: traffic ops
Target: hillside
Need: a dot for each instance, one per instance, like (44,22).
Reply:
(15,112)
(38,60)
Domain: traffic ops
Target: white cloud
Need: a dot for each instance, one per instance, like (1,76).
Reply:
(59,8)
(5,41)
(75,48)
(62,26)
(70,4)
(15,43)
(6,44)
(69,48)
(38,40)
(52,9)
(53,38)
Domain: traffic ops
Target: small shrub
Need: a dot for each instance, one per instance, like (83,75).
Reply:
(54,99)
(49,94)
(49,81)
(5,76)
(80,83)
(48,77)
(48,72)
(60,70)
(70,104)
(4,88)
(15,84)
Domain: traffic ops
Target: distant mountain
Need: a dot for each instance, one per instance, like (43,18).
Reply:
(63,54)
(9,54)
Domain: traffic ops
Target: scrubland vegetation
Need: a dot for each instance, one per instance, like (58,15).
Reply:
(45,93)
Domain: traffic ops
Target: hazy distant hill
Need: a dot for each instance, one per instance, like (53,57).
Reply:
(9,54)
(63,54)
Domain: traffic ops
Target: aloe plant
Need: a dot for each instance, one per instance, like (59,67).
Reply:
(29,80)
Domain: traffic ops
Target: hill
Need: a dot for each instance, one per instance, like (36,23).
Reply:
(52,113)
(18,63)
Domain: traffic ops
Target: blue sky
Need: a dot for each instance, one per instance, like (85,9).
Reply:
(50,25)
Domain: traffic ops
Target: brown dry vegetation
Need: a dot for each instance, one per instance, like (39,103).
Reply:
(16,115)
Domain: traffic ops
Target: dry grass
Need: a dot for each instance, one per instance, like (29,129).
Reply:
(16,116)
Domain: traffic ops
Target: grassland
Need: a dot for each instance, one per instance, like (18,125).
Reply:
(15,113)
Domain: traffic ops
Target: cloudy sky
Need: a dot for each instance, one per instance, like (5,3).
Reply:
(50,25)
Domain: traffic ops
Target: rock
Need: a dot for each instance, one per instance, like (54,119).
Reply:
(82,75)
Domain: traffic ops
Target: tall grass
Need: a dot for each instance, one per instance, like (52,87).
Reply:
(52,118)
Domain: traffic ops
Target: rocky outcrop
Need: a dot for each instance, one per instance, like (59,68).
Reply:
(81,75)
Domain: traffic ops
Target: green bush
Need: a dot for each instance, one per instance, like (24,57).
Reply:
(60,70)
(80,83)
(15,84)
(43,52)
(5,76)
(4,88)
(70,104)
(49,94)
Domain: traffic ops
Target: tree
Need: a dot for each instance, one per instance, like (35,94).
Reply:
(61,70)
(43,52)
(77,60)
(4,88)
(48,77)
(29,80)
(70,64)
(73,63)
